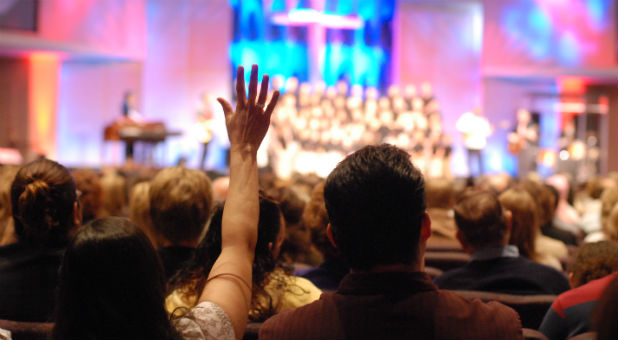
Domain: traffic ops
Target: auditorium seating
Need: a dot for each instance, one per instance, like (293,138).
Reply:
(28,330)
(531,308)
(446,260)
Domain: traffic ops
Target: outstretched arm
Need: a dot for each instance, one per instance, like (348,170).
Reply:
(229,282)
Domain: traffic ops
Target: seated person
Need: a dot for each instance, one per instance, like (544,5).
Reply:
(570,313)
(88,183)
(525,228)
(440,200)
(483,229)
(112,284)
(329,273)
(45,214)
(375,200)
(273,289)
(180,204)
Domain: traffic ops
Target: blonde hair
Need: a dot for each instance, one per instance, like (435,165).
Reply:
(7,230)
(611,225)
(139,210)
(180,203)
(114,193)
(524,223)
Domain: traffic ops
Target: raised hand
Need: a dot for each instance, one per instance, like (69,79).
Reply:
(248,124)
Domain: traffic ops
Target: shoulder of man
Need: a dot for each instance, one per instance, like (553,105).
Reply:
(317,320)
(463,318)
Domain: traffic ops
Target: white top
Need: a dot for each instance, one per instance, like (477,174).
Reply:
(475,129)
(205,321)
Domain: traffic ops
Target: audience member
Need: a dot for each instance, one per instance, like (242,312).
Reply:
(180,204)
(113,283)
(139,211)
(440,200)
(546,198)
(566,217)
(376,206)
(90,194)
(609,224)
(45,214)
(329,273)
(7,229)
(606,313)
(483,228)
(114,187)
(525,228)
(273,289)
(570,313)
(593,261)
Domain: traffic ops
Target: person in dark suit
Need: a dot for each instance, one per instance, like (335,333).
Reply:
(483,229)
(375,200)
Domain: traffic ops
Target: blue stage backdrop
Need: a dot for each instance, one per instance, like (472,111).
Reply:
(355,46)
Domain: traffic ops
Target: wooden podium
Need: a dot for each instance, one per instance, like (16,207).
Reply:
(149,134)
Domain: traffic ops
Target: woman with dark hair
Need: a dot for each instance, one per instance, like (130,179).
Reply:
(45,214)
(111,272)
(273,289)
(111,285)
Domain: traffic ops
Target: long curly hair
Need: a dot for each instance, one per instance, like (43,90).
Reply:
(192,278)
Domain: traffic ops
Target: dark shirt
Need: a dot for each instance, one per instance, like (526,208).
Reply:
(570,313)
(28,278)
(174,257)
(395,305)
(550,230)
(328,275)
(509,274)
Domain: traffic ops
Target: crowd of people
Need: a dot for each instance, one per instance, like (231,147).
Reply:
(173,253)
(315,126)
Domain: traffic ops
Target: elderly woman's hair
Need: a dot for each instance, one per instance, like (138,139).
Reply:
(43,197)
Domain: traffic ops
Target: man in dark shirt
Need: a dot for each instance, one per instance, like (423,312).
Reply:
(180,204)
(375,201)
(483,229)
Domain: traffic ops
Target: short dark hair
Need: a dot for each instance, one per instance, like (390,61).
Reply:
(111,285)
(180,203)
(42,197)
(375,199)
(480,218)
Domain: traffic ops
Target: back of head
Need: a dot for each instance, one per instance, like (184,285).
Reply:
(139,209)
(43,198)
(545,201)
(524,223)
(91,193)
(480,219)
(192,277)
(111,285)
(315,218)
(610,227)
(180,203)
(7,175)
(440,193)
(375,200)
(114,190)
(594,261)
(609,198)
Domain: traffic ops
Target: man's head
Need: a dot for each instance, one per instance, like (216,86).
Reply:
(375,199)
(481,221)
(180,204)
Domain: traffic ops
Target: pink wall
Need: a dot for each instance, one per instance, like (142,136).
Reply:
(440,43)
(187,54)
(551,37)
(113,26)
